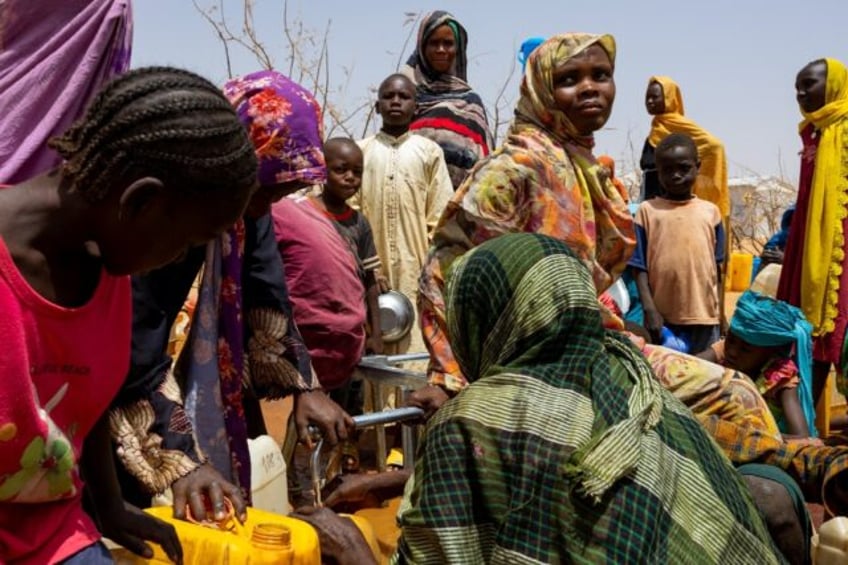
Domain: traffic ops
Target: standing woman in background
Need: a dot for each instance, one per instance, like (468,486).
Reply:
(814,275)
(449,112)
(664,102)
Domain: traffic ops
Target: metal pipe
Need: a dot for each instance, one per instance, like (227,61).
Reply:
(317,473)
(404,357)
(384,360)
(388,417)
(378,418)
(362,421)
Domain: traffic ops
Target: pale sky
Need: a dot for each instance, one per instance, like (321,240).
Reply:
(735,60)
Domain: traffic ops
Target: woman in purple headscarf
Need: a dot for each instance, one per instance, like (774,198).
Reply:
(243,344)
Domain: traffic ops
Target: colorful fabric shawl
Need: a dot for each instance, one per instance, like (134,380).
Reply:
(158,439)
(736,416)
(711,183)
(544,180)
(449,112)
(234,350)
(54,57)
(765,322)
(213,364)
(284,122)
(823,255)
(564,448)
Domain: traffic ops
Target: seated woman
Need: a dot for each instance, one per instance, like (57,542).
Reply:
(564,447)
(765,334)
(545,180)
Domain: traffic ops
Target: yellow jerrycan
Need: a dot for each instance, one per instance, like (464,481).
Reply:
(264,538)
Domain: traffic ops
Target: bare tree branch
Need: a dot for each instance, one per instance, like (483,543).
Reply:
(287,33)
(501,103)
(411,20)
(249,29)
(208,17)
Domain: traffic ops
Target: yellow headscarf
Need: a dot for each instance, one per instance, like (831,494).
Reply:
(536,104)
(828,204)
(606,231)
(711,183)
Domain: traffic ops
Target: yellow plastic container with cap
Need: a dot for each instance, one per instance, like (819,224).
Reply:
(264,538)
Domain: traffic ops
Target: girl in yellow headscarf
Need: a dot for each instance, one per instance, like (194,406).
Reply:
(665,103)
(814,276)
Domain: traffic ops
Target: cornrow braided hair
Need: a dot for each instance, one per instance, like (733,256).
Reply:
(162,122)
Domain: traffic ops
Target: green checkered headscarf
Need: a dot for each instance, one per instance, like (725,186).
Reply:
(525,304)
(563,448)
(519,303)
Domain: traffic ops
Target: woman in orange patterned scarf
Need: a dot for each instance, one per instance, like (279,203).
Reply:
(544,179)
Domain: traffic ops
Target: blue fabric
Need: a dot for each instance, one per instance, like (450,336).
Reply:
(698,337)
(528,47)
(669,339)
(777,241)
(639,259)
(766,322)
(636,313)
(720,238)
(95,554)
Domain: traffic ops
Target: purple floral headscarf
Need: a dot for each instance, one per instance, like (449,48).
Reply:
(284,123)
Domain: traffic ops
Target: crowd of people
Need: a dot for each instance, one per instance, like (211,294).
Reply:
(558,429)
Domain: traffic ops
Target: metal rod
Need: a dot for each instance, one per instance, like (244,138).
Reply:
(377,418)
(380,431)
(317,473)
(387,417)
(403,357)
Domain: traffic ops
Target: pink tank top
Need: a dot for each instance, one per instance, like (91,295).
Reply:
(60,368)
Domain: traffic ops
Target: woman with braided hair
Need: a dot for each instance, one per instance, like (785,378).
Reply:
(158,164)
(187,428)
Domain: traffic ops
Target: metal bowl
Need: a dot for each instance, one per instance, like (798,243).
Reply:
(396,316)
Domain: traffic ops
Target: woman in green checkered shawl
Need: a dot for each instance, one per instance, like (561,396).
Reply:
(564,448)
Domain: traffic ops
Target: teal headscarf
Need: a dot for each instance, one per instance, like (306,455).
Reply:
(766,322)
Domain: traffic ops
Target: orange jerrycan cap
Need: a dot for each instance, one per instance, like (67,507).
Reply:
(227,523)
